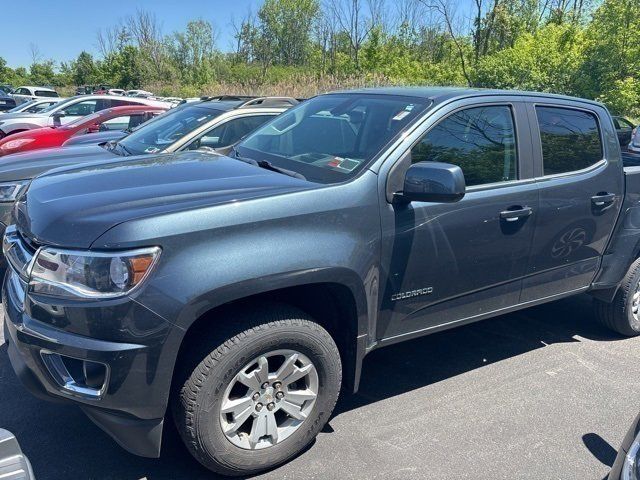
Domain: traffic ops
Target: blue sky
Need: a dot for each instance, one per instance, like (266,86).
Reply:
(63,28)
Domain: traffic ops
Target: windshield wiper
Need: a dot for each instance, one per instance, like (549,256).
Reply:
(267,166)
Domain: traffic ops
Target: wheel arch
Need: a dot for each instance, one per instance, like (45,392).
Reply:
(335,298)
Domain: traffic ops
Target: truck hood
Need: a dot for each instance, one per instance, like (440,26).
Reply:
(26,165)
(72,207)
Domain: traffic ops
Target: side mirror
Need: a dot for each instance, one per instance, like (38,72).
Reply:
(432,182)
(60,114)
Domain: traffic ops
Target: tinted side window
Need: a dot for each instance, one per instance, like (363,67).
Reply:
(81,109)
(46,93)
(570,139)
(480,140)
(230,132)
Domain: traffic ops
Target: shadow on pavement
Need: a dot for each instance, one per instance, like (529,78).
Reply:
(600,448)
(62,443)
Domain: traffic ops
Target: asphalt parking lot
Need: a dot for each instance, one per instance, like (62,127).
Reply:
(543,393)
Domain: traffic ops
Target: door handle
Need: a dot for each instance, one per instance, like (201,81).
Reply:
(603,199)
(516,213)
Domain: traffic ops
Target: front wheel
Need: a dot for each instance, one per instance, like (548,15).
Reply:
(262,394)
(623,314)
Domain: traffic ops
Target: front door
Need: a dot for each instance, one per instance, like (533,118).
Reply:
(581,188)
(450,263)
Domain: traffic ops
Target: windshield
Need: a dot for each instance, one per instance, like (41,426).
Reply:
(331,137)
(22,106)
(167,129)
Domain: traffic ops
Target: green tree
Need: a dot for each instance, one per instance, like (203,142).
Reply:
(285,30)
(84,70)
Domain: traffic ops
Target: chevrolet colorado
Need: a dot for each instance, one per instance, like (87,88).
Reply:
(244,291)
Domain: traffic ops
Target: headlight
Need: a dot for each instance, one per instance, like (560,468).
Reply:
(631,466)
(10,191)
(14,144)
(78,274)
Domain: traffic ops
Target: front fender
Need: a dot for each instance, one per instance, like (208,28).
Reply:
(255,286)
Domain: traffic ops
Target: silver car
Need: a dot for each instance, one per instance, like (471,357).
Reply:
(25,94)
(66,111)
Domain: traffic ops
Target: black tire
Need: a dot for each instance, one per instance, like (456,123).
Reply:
(247,335)
(618,315)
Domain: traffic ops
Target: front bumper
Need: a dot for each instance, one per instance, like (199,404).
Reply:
(133,343)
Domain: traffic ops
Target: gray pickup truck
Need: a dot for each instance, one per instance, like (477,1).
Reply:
(244,291)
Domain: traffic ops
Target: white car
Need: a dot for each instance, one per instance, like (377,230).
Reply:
(116,91)
(138,93)
(26,94)
(34,106)
(634,144)
(66,111)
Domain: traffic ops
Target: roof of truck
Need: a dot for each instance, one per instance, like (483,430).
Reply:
(438,94)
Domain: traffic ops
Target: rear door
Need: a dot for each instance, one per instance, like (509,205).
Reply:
(581,185)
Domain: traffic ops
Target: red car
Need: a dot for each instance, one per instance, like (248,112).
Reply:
(117,118)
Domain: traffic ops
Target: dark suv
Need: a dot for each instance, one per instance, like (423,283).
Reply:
(245,290)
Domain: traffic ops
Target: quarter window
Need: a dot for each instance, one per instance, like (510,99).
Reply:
(570,139)
(480,140)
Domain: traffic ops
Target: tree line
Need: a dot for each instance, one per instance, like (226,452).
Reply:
(587,48)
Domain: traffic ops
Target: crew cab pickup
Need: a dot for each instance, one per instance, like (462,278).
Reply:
(244,291)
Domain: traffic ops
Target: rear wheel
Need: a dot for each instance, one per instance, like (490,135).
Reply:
(622,315)
(261,394)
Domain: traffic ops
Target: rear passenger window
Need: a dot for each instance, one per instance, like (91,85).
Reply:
(480,140)
(570,139)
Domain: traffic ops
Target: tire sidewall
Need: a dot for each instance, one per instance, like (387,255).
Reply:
(207,412)
(632,325)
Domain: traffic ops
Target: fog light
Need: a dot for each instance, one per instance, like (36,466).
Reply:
(77,376)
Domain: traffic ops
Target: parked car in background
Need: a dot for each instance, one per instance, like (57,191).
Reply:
(25,94)
(241,293)
(14,465)
(115,91)
(110,119)
(101,138)
(85,89)
(7,102)
(624,127)
(138,93)
(174,100)
(634,143)
(102,89)
(67,111)
(6,88)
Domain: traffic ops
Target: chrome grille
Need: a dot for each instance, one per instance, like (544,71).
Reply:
(18,253)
